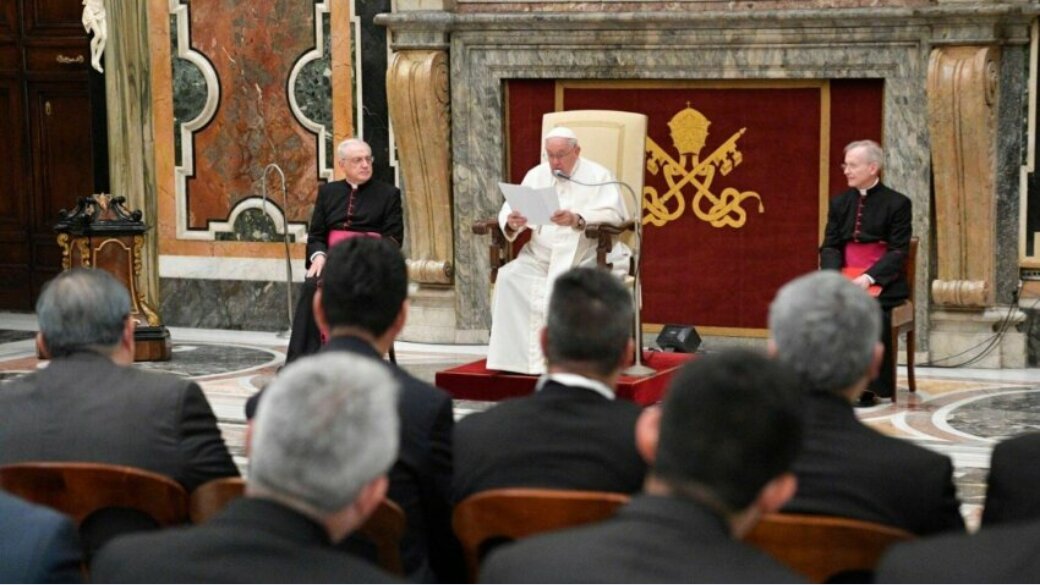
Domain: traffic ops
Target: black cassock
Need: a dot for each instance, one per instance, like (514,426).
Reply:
(882,215)
(374,207)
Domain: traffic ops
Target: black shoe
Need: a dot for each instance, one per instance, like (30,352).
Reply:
(867,399)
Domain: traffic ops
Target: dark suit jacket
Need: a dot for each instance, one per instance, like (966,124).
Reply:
(37,544)
(653,539)
(420,480)
(251,541)
(559,437)
(1004,554)
(376,207)
(885,217)
(85,408)
(1013,487)
(847,469)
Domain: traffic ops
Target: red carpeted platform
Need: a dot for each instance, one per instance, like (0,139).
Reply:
(474,381)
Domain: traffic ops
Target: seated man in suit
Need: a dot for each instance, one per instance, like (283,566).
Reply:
(1000,554)
(571,433)
(363,305)
(826,328)
(88,405)
(37,544)
(719,447)
(325,436)
(1013,486)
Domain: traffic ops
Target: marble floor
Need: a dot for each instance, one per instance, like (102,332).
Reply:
(959,412)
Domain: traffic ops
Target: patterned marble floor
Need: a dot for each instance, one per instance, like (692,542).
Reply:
(959,412)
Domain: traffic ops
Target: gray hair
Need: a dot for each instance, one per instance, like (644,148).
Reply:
(871,149)
(82,309)
(327,426)
(825,328)
(341,149)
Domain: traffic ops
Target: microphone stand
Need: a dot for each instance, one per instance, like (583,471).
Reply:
(638,369)
(285,238)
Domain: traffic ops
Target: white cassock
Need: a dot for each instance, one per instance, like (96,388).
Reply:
(524,285)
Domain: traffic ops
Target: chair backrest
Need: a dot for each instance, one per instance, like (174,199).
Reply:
(384,528)
(213,496)
(81,489)
(492,517)
(910,270)
(821,547)
(614,139)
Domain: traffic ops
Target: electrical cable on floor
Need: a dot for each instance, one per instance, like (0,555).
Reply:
(990,342)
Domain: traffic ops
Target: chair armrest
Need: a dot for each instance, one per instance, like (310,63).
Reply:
(500,249)
(605,235)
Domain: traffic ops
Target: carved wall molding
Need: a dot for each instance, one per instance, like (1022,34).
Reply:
(962,120)
(418,97)
(961,293)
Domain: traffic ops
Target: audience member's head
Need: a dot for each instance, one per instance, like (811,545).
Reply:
(325,435)
(85,310)
(589,323)
(826,329)
(726,434)
(364,288)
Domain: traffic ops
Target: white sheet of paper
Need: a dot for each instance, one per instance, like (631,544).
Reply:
(537,205)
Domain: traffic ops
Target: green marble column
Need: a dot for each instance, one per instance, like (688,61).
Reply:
(131,138)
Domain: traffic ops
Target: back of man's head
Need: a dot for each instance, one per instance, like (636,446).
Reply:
(327,426)
(825,329)
(730,423)
(82,309)
(589,321)
(365,282)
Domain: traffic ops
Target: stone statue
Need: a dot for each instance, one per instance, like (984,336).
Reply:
(94,21)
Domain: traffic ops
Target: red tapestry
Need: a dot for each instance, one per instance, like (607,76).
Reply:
(732,197)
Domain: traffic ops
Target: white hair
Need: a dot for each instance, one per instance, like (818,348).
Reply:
(871,149)
(341,149)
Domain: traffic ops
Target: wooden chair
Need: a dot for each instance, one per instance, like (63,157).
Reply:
(384,528)
(213,496)
(614,139)
(903,320)
(81,489)
(824,547)
(493,517)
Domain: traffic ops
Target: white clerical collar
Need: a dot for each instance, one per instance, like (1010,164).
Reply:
(353,187)
(863,192)
(576,381)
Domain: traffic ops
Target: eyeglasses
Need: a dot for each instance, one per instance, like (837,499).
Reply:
(558,155)
(357,160)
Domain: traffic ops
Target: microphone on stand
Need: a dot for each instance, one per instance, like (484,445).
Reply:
(638,368)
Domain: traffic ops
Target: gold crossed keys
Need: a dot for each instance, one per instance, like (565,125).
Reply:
(689,130)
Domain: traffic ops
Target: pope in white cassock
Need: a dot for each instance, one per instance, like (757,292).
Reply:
(588,194)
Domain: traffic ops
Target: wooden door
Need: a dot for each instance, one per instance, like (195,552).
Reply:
(62,169)
(52,138)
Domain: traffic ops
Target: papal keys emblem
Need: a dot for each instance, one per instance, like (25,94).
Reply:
(689,131)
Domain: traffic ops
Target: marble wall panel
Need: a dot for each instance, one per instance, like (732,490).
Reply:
(252,47)
(225,304)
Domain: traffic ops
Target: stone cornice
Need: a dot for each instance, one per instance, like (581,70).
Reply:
(1004,23)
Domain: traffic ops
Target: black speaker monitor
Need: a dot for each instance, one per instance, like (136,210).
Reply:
(679,338)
